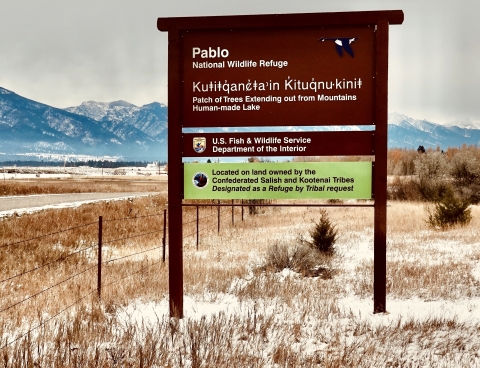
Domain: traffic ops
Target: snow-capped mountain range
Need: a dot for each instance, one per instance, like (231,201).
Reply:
(405,132)
(116,130)
(121,130)
(150,119)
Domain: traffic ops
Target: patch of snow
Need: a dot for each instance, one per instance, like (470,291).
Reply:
(139,312)
(476,272)
(20,211)
(462,311)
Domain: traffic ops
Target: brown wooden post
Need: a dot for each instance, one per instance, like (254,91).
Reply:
(164,239)
(218,215)
(380,172)
(99,266)
(197,227)
(175,176)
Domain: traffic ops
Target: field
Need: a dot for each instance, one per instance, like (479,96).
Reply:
(74,184)
(238,311)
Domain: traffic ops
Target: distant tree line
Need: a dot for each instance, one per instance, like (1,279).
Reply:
(435,175)
(91,163)
(111,164)
(427,174)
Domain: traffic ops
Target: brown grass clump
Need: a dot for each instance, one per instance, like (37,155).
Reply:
(301,258)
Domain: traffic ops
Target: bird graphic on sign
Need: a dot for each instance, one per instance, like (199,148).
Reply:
(341,43)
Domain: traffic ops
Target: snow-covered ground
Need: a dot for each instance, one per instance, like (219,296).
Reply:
(422,330)
(283,319)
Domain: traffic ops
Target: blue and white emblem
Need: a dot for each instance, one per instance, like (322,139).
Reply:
(199,144)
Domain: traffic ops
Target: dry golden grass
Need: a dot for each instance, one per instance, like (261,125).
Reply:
(426,263)
(32,262)
(280,320)
(81,185)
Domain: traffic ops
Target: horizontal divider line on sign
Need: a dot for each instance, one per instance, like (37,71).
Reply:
(45,235)
(47,289)
(49,263)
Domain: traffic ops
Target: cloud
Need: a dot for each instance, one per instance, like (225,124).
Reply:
(65,52)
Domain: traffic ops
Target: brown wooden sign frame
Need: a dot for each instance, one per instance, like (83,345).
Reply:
(178,27)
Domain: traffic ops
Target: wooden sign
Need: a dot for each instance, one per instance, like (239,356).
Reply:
(304,76)
(277,70)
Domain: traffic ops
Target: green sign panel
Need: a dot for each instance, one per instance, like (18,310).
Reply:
(286,180)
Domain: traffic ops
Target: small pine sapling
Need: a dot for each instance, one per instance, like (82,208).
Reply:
(323,234)
(450,211)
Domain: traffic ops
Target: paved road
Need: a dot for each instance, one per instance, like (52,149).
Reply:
(22,202)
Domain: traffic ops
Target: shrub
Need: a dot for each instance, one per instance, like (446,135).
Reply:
(465,170)
(431,168)
(450,211)
(323,234)
(296,258)
(254,206)
(299,258)
(403,189)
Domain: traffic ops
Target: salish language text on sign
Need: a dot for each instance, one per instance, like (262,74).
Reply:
(289,84)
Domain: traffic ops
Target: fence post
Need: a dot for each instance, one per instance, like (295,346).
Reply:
(164,241)
(99,267)
(218,215)
(242,209)
(233,213)
(197,227)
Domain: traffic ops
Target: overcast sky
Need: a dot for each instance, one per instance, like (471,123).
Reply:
(64,52)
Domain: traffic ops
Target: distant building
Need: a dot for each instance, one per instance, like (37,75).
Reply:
(153,166)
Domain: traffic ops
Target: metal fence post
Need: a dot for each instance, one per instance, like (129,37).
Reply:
(233,213)
(218,215)
(164,241)
(197,227)
(99,267)
(242,209)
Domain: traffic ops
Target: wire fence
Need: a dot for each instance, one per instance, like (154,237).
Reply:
(53,272)
(204,217)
